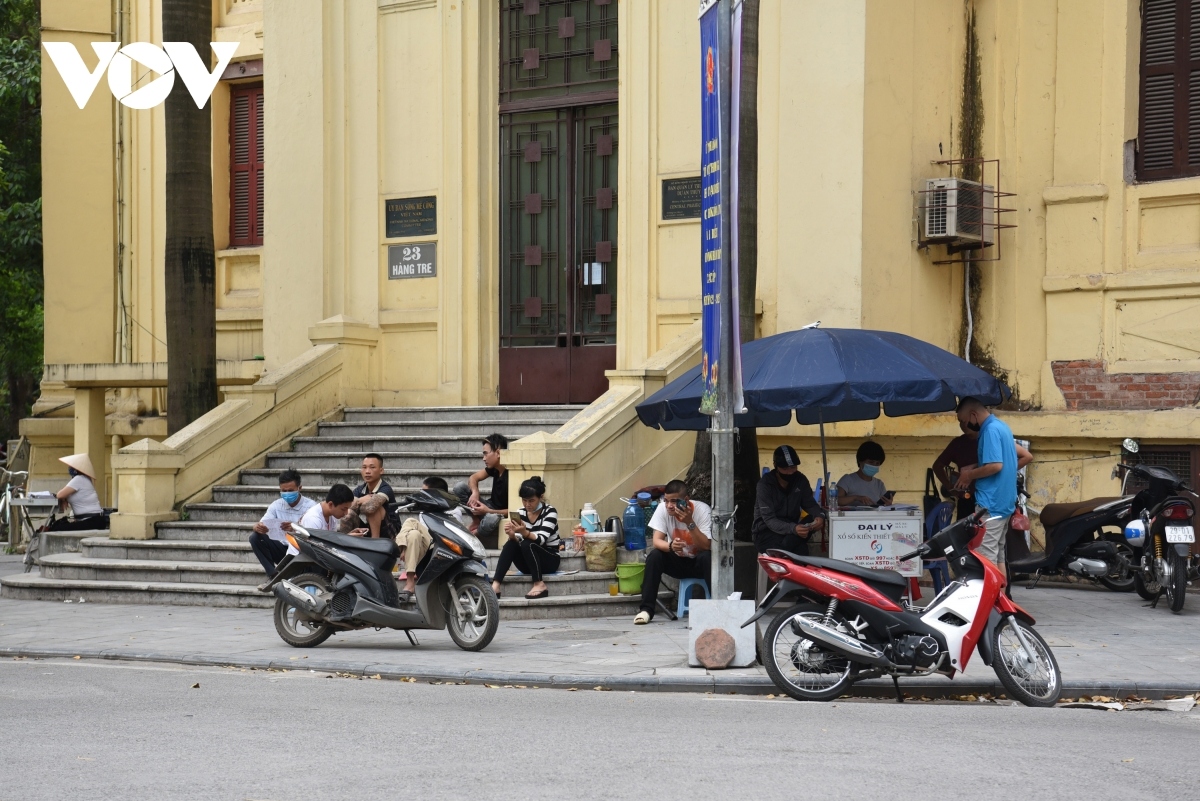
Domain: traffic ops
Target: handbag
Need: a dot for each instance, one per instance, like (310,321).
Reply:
(1019,521)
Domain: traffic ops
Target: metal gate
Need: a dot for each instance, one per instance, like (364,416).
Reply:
(558,189)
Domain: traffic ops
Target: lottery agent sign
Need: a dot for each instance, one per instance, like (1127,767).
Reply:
(718,235)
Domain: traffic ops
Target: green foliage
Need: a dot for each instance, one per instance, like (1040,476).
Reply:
(20,211)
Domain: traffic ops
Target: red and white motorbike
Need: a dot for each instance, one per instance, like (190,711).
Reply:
(851,623)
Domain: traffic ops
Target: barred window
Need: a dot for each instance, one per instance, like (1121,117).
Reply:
(246,166)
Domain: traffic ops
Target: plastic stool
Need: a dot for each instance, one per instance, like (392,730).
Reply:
(685,593)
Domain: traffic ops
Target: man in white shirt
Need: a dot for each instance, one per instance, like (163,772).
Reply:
(681,548)
(268,541)
(324,516)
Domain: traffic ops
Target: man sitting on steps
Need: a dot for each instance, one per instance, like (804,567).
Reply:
(289,507)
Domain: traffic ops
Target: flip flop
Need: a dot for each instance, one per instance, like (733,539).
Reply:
(533,596)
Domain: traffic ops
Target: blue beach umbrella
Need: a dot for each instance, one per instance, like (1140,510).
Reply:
(829,375)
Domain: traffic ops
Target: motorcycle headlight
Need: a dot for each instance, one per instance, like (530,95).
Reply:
(476,545)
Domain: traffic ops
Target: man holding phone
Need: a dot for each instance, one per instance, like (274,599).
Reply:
(785,512)
(681,547)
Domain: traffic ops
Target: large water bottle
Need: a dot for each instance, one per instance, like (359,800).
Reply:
(634,526)
(832,495)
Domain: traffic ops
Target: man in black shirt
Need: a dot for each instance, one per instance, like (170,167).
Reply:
(783,495)
(372,478)
(487,512)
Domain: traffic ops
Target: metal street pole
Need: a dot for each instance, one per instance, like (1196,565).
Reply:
(722,430)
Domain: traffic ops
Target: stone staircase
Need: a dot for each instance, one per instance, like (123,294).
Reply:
(205,559)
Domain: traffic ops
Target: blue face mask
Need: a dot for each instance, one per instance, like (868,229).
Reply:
(869,470)
(290,497)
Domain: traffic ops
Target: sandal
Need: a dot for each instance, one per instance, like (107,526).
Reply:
(533,596)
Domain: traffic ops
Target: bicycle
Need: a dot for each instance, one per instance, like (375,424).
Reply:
(11,490)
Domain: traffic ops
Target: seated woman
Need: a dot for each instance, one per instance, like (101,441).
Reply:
(862,488)
(533,542)
(80,495)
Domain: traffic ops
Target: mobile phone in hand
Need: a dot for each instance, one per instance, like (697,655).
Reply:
(515,517)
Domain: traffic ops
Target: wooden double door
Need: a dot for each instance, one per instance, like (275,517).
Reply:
(558,280)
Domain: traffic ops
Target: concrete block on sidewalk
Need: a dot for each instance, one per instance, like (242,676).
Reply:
(729,617)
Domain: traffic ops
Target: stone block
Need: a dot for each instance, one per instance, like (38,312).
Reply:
(727,616)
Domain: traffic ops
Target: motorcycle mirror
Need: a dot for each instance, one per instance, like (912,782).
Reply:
(1130,445)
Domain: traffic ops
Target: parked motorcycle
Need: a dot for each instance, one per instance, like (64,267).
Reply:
(337,583)
(1161,534)
(1078,545)
(851,624)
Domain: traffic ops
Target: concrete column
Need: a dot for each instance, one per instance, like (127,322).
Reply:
(89,432)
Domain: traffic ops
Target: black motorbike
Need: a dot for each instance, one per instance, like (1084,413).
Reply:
(1077,543)
(338,583)
(1162,534)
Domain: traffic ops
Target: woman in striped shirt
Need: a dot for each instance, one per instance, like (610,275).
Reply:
(533,541)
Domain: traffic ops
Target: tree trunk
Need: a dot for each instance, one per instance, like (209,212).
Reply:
(190,257)
(746,464)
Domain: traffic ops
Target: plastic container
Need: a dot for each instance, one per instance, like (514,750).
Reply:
(589,518)
(578,537)
(629,578)
(1135,533)
(633,524)
(832,495)
(600,551)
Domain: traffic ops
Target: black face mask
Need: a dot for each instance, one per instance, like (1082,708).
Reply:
(791,480)
(974,427)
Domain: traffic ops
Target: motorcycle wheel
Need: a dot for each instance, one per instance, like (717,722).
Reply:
(473,614)
(295,631)
(801,668)
(1175,580)
(1033,682)
(1120,577)
(1147,589)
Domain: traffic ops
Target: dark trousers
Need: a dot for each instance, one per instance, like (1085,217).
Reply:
(86,523)
(530,558)
(792,543)
(269,552)
(676,566)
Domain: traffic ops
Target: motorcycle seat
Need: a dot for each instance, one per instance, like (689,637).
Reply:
(1054,513)
(882,576)
(372,544)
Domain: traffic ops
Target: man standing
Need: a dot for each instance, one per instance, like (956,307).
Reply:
(681,548)
(782,498)
(289,507)
(994,474)
(371,471)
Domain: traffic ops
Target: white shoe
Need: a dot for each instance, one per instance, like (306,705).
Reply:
(642,618)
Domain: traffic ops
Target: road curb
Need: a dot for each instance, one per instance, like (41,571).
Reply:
(933,688)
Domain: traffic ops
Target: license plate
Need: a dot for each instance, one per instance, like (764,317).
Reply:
(1180,534)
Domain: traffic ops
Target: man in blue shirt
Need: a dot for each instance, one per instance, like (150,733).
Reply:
(994,474)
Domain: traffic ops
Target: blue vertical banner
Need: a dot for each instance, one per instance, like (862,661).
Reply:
(735,381)
(718,235)
(710,201)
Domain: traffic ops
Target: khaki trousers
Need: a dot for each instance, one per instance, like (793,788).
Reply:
(415,540)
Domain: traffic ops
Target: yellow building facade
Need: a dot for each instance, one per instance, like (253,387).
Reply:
(393,124)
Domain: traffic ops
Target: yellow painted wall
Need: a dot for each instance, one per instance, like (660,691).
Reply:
(368,101)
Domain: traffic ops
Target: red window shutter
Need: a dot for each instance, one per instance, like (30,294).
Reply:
(246,166)
(1169,116)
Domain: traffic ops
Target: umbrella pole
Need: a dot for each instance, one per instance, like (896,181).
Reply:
(824,458)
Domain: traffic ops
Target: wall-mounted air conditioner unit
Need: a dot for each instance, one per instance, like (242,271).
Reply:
(958,212)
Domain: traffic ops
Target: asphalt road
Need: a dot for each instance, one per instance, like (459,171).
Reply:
(82,730)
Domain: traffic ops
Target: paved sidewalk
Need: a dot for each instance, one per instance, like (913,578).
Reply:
(1106,644)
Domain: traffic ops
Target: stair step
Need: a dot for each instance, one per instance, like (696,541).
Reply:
(35,587)
(468,428)
(384,444)
(262,495)
(78,567)
(460,462)
(320,477)
(56,542)
(169,550)
(211,531)
(483,416)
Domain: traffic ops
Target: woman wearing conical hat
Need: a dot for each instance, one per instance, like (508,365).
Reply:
(80,495)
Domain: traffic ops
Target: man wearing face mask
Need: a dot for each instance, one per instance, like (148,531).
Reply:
(862,487)
(782,498)
(269,546)
(994,474)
